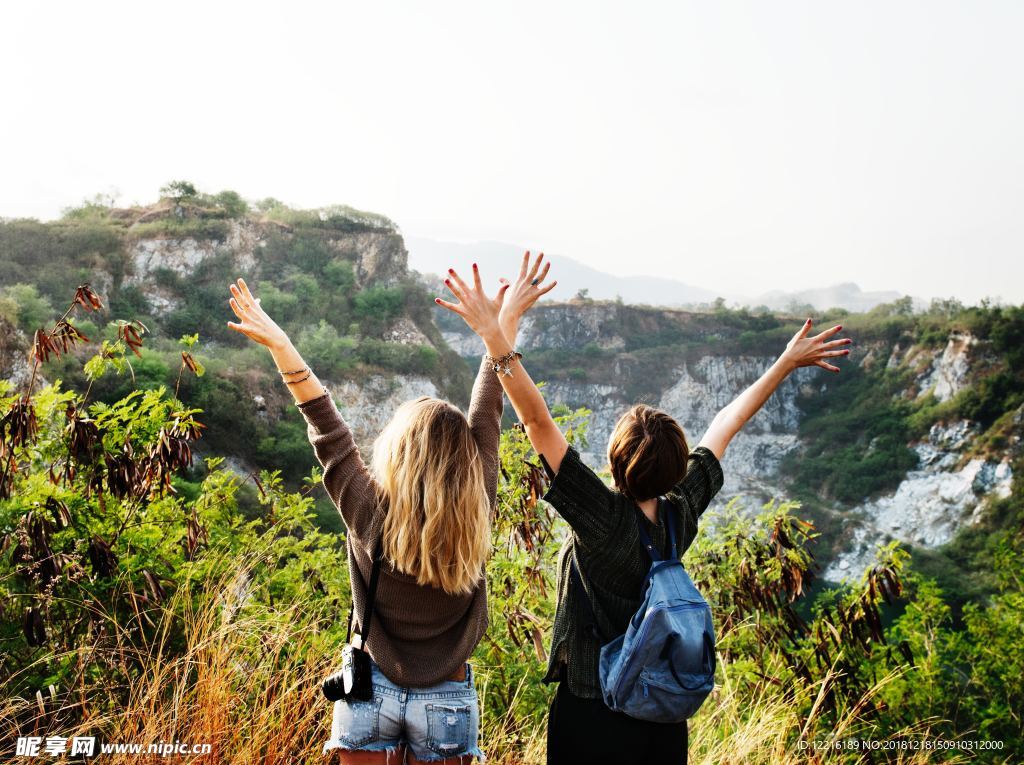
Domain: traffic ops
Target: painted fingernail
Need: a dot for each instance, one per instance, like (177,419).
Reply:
(840,326)
(474,265)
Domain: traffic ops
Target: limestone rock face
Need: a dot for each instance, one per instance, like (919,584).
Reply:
(571,326)
(379,256)
(405,332)
(15,366)
(943,494)
(947,375)
(752,460)
(368,405)
(950,488)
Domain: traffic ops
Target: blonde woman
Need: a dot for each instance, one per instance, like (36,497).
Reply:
(427,500)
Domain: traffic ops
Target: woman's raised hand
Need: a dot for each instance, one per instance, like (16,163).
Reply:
(526,289)
(255,323)
(803,351)
(478,310)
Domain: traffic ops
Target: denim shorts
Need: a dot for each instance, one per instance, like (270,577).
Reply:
(435,723)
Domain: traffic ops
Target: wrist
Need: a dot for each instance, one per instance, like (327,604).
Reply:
(786,364)
(496,342)
(279,345)
(509,327)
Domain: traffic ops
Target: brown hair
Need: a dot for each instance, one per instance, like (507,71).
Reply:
(647,453)
(430,474)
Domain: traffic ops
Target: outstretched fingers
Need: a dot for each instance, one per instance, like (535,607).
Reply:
(828,332)
(455,279)
(245,290)
(239,310)
(499,298)
(837,343)
(544,273)
(535,267)
(826,365)
(453,307)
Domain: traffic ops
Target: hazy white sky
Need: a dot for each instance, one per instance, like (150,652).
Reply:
(740,147)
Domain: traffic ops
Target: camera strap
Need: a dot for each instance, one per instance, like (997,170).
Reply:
(371,595)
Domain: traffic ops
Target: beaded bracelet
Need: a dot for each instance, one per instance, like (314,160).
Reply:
(294,371)
(293,382)
(504,363)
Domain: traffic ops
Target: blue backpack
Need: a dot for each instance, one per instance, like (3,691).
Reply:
(663,667)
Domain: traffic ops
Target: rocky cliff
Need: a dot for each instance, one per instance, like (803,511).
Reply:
(950,488)
(603,356)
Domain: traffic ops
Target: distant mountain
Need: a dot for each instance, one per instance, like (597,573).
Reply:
(846,295)
(432,257)
(429,256)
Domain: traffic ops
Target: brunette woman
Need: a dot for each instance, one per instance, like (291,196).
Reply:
(649,458)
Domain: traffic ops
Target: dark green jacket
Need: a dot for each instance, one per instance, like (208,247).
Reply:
(607,546)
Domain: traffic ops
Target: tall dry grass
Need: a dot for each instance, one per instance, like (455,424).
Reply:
(247,682)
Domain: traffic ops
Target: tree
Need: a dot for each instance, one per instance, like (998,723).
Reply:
(179,191)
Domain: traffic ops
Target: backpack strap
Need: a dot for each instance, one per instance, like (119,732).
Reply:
(645,538)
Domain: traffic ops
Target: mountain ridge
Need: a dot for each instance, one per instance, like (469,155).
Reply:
(432,257)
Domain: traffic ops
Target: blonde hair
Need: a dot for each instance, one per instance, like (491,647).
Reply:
(430,478)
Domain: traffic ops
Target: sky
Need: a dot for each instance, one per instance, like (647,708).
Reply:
(740,147)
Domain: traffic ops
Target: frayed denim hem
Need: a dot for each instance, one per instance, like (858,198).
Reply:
(434,757)
(373,746)
(476,751)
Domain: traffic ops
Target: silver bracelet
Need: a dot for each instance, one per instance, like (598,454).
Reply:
(503,365)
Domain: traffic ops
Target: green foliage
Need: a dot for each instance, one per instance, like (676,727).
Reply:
(856,437)
(340,218)
(325,349)
(398,357)
(23,306)
(991,396)
(185,228)
(231,203)
(512,658)
(380,303)
(179,190)
(57,257)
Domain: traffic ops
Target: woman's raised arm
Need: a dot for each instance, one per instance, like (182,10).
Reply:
(489,318)
(801,351)
(257,325)
(346,478)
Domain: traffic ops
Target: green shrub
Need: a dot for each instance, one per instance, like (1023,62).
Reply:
(325,349)
(23,306)
(213,229)
(380,304)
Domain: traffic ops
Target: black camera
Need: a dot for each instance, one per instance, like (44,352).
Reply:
(354,681)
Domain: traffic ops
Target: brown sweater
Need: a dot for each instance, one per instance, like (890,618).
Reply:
(420,635)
